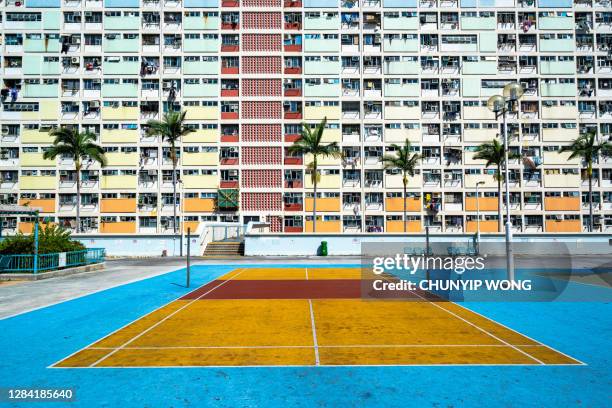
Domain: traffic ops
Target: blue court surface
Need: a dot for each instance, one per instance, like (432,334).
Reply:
(34,341)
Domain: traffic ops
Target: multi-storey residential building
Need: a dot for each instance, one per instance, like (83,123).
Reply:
(249,72)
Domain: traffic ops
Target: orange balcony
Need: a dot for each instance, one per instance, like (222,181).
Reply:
(45,205)
(293,26)
(230,26)
(293,207)
(290,137)
(484,203)
(228,184)
(229,162)
(121,227)
(293,115)
(230,48)
(398,226)
(292,3)
(118,205)
(325,226)
(230,138)
(293,92)
(324,204)
(191,225)
(485,226)
(293,184)
(230,92)
(199,205)
(562,203)
(293,48)
(230,3)
(397,204)
(293,70)
(230,70)
(28,227)
(563,226)
(229,115)
(293,161)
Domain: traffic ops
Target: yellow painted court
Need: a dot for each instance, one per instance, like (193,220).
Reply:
(307,317)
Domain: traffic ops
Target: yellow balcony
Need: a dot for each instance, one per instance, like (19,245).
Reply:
(119,136)
(324,161)
(562,203)
(479,135)
(201,181)
(562,180)
(325,226)
(122,159)
(118,205)
(121,113)
(559,112)
(472,179)
(559,135)
(122,227)
(331,135)
(36,136)
(202,112)
(563,226)
(397,204)
(484,203)
(200,159)
(199,205)
(398,226)
(396,181)
(399,136)
(331,181)
(402,112)
(37,183)
(477,113)
(485,226)
(48,110)
(320,112)
(35,160)
(119,182)
(324,204)
(45,205)
(559,158)
(202,136)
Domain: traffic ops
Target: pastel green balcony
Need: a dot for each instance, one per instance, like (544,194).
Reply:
(556,23)
(41,45)
(401,23)
(201,45)
(557,45)
(121,68)
(401,45)
(51,19)
(478,23)
(321,45)
(121,23)
(322,67)
(201,67)
(119,90)
(35,65)
(201,23)
(200,90)
(557,67)
(322,23)
(399,90)
(480,68)
(402,68)
(41,90)
(323,90)
(556,89)
(121,45)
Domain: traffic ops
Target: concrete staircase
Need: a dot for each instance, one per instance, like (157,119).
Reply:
(224,249)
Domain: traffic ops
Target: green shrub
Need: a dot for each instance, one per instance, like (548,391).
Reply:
(51,239)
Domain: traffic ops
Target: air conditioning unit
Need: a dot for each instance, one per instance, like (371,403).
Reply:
(152,172)
(559,217)
(448,176)
(5,130)
(74,60)
(88,13)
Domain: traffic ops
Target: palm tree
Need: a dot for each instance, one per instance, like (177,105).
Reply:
(494,153)
(587,149)
(310,143)
(171,128)
(80,146)
(406,162)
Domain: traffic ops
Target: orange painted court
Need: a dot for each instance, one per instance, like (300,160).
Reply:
(308,317)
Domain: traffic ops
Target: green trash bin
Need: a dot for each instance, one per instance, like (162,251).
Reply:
(323,249)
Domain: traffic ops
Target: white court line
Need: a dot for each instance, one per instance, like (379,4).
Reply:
(310,346)
(314,334)
(306,273)
(139,318)
(142,333)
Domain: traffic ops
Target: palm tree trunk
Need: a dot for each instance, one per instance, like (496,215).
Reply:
(314,198)
(499,200)
(590,174)
(405,211)
(77,167)
(174,195)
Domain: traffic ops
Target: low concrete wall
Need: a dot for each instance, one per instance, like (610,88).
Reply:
(139,245)
(337,244)
(51,274)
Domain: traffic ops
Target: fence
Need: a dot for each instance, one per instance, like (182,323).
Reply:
(47,262)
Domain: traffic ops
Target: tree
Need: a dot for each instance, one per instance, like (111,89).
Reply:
(406,162)
(79,146)
(494,153)
(171,128)
(310,143)
(588,149)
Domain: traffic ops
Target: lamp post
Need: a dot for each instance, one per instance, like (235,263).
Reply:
(480,183)
(500,105)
